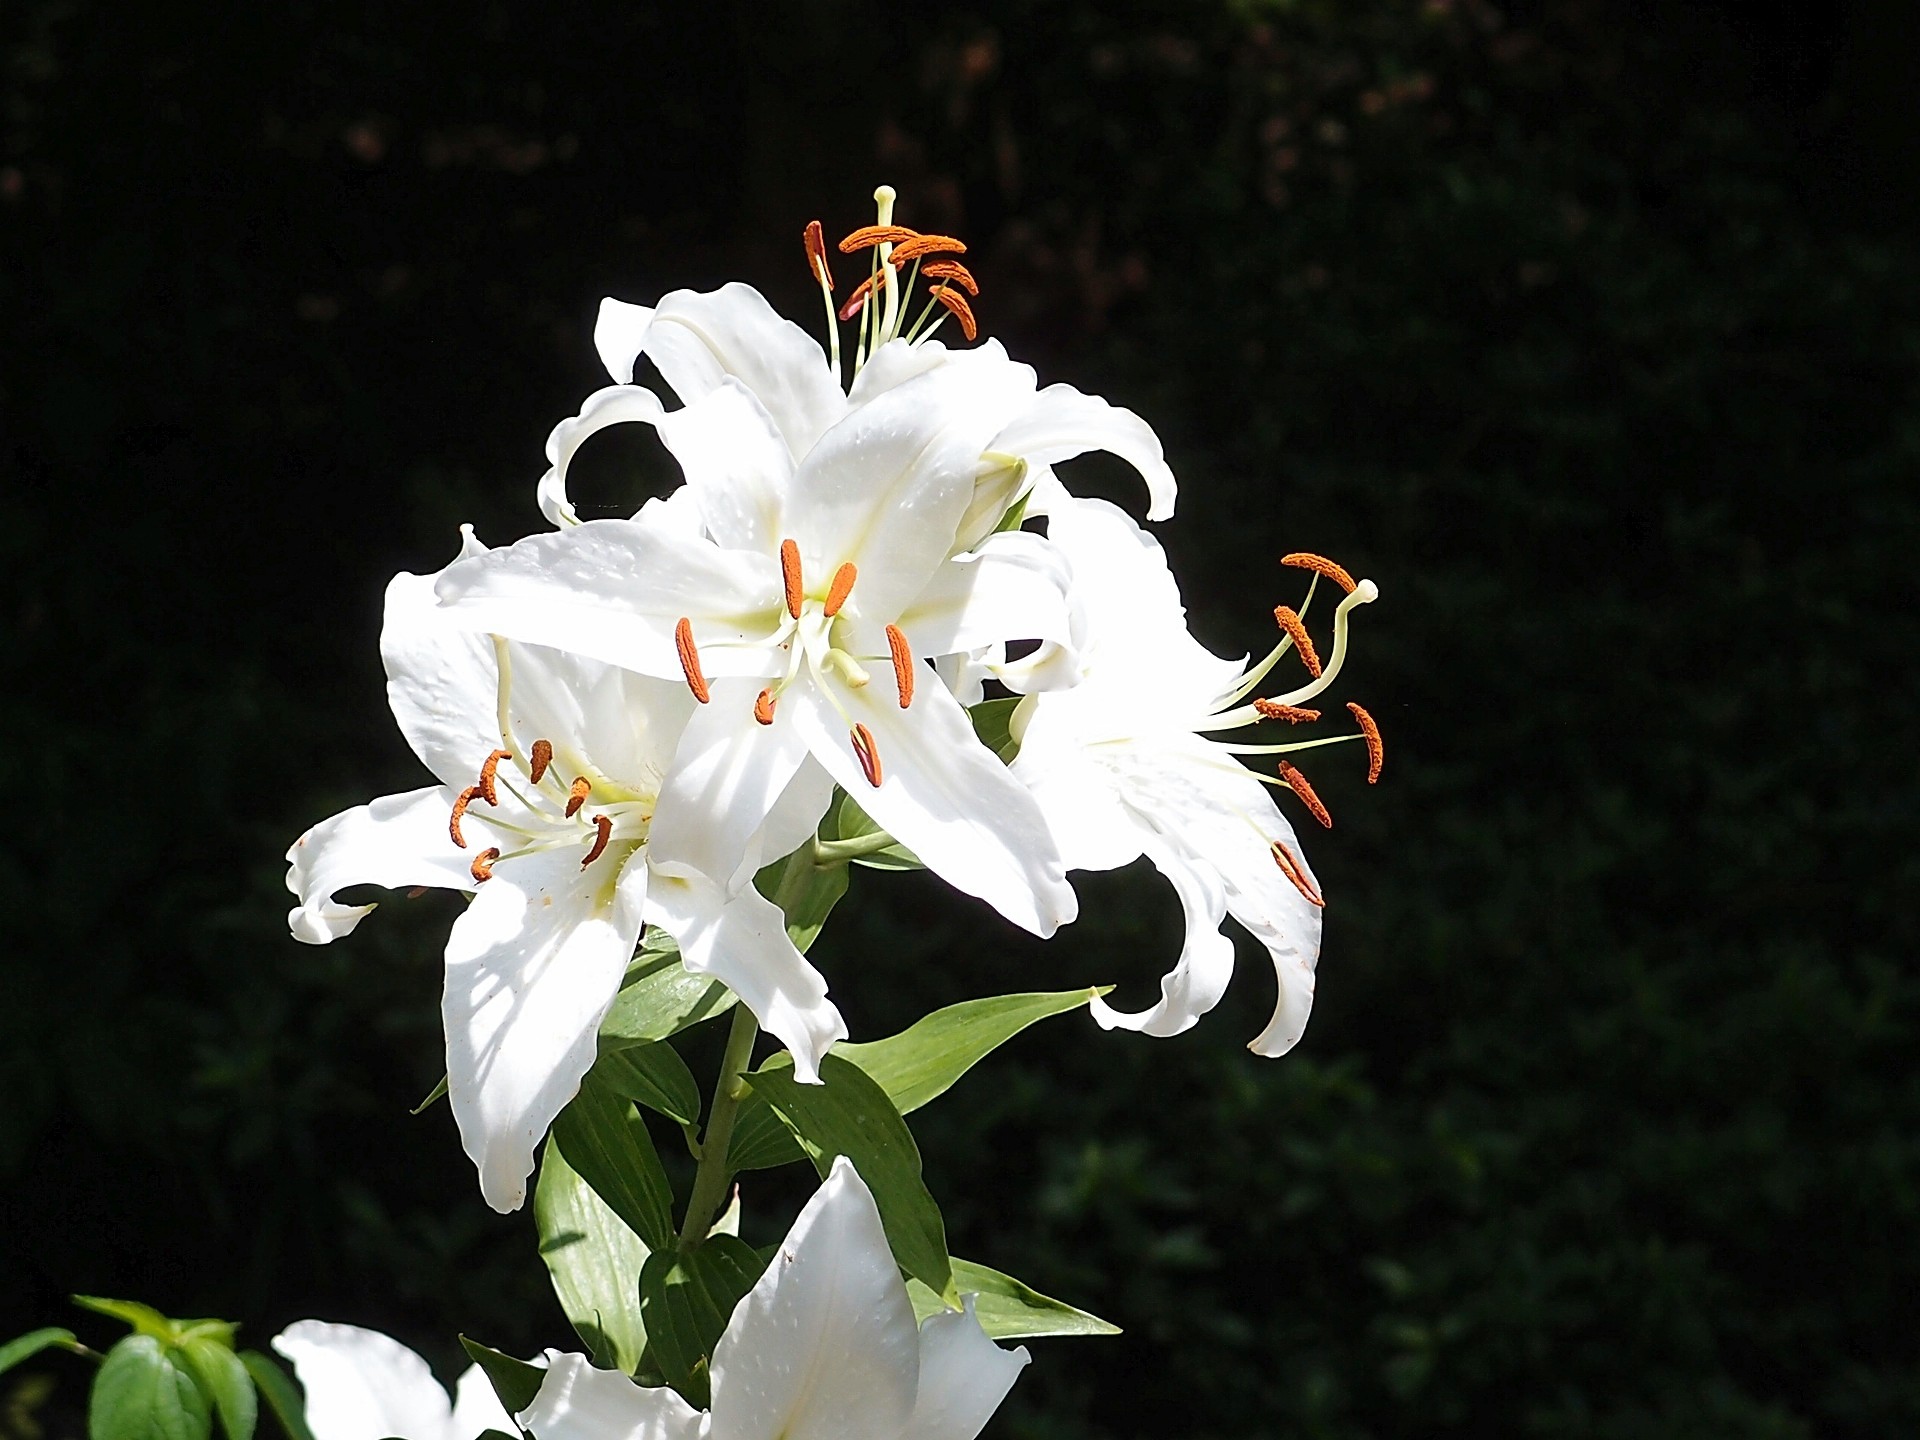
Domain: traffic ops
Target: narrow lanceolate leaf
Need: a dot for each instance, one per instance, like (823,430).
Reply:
(32,1343)
(280,1393)
(687,1301)
(654,1075)
(607,1144)
(144,1319)
(595,1261)
(922,1061)
(225,1381)
(849,1114)
(761,1139)
(439,1092)
(144,1392)
(806,893)
(660,997)
(1007,1309)
(516,1382)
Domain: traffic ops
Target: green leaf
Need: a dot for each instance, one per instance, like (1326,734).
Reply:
(654,1075)
(660,997)
(276,1387)
(225,1381)
(849,1114)
(850,822)
(687,1301)
(595,1260)
(32,1343)
(516,1382)
(439,1092)
(144,1392)
(993,723)
(922,1061)
(1007,1309)
(761,1139)
(144,1318)
(805,892)
(607,1144)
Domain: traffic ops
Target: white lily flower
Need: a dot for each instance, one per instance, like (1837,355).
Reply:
(1122,766)
(824,1347)
(362,1385)
(550,768)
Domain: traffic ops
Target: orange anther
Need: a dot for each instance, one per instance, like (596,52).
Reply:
(1292,714)
(859,296)
(1376,750)
(690,660)
(838,591)
(919,245)
(1291,868)
(603,825)
(1320,565)
(1297,783)
(957,306)
(577,795)
(951,270)
(790,575)
(466,798)
(816,244)
(482,867)
(492,763)
(763,707)
(868,235)
(902,664)
(542,758)
(869,757)
(1285,617)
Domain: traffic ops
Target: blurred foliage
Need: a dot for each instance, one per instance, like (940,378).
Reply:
(1587,330)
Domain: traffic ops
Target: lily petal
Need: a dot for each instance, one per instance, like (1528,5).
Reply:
(1198,980)
(736,464)
(532,967)
(398,840)
(824,1346)
(1011,586)
(578,1402)
(440,680)
(1062,423)
(963,1377)
(618,333)
(614,405)
(362,1385)
(476,1408)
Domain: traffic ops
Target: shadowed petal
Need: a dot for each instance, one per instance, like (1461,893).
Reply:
(963,1377)
(362,1385)
(578,1402)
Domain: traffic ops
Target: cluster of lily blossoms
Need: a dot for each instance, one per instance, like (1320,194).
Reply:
(627,720)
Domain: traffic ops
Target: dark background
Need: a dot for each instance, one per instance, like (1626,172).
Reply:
(1588,330)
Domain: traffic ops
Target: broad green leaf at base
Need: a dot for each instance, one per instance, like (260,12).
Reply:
(595,1260)
(687,1301)
(144,1392)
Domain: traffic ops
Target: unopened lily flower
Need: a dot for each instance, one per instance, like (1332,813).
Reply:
(362,1385)
(824,546)
(824,1347)
(549,769)
(1123,764)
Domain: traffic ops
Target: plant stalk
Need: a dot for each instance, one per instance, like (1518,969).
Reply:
(711,1176)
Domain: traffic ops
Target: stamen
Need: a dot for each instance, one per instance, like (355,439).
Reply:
(482,867)
(1376,750)
(902,664)
(1320,565)
(577,795)
(870,235)
(956,305)
(466,798)
(925,245)
(837,592)
(1365,593)
(763,707)
(1297,783)
(869,757)
(858,298)
(542,758)
(1292,714)
(1290,867)
(790,575)
(604,825)
(816,244)
(951,270)
(488,791)
(1296,628)
(690,660)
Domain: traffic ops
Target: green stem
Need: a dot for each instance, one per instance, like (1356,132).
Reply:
(711,1176)
(838,852)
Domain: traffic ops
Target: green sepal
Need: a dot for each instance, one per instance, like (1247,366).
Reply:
(654,1075)
(849,1114)
(923,1061)
(144,1319)
(606,1142)
(687,1300)
(283,1397)
(516,1382)
(224,1379)
(18,1351)
(1016,515)
(1008,1309)
(594,1259)
(439,1092)
(660,997)
(145,1391)
(993,723)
